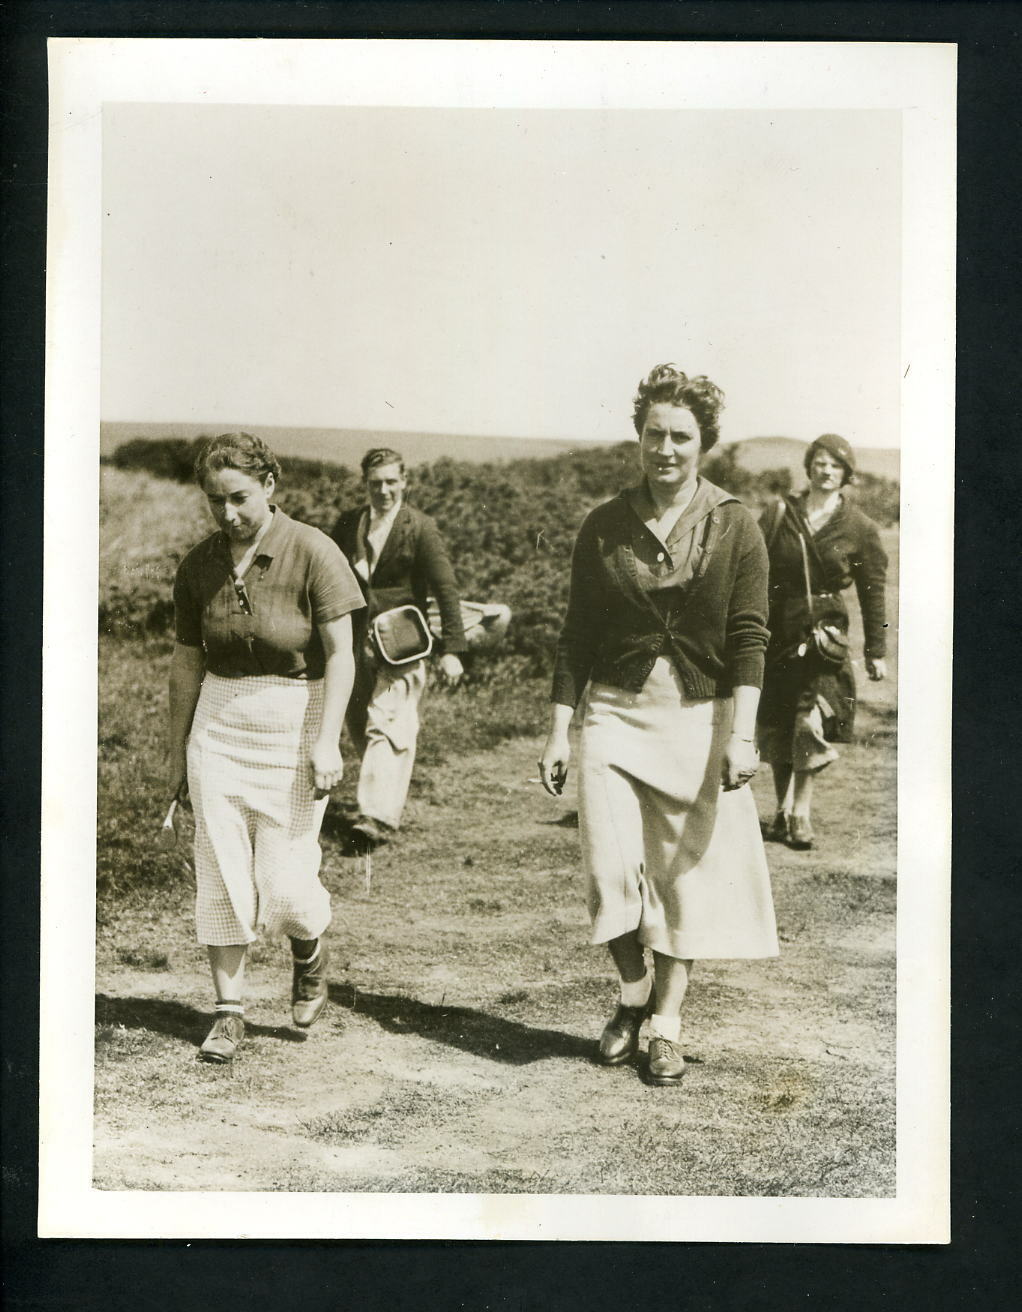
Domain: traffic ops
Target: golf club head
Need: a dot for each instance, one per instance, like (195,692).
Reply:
(167,837)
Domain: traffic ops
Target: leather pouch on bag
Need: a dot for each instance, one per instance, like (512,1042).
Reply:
(401,635)
(826,647)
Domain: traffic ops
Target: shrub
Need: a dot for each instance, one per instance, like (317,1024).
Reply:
(165,457)
(509,526)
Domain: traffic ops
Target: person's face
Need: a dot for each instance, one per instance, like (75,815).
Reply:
(669,446)
(825,473)
(239,503)
(385,485)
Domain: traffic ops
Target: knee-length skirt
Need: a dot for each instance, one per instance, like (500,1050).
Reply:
(666,851)
(257,819)
(804,710)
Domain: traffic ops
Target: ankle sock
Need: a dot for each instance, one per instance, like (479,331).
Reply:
(637,993)
(667,1027)
(231,1008)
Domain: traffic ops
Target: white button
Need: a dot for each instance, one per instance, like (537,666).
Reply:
(661,556)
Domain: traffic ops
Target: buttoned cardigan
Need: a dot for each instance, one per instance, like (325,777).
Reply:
(713,627)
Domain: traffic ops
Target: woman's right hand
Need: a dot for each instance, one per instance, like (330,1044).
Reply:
(553,764)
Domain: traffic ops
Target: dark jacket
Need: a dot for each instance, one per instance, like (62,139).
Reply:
(413,565)
(845,550)
(713,627)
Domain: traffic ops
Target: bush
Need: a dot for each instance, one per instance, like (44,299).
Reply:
(167,457)
(509,526)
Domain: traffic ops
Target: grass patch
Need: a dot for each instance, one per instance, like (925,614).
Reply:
(144,959)
(457,1051)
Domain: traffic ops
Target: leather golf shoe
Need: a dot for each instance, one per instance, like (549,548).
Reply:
(309,988)
(224,1039)
(368,834)
(619,1042)
(779,829)
(666,1061)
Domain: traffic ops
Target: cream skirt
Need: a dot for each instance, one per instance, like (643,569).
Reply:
(667,852)
(257,819)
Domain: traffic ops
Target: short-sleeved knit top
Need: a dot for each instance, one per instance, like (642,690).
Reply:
(298,580)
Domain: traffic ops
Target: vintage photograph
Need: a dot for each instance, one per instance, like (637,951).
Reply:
(499,655)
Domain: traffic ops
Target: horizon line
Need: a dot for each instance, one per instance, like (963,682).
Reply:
(441,433)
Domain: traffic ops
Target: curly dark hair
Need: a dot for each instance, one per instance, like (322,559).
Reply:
(667,383)
(249,455)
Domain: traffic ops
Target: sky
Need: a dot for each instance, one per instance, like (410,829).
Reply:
(500,272)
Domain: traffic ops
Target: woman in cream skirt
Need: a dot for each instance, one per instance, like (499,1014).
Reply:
(665,636)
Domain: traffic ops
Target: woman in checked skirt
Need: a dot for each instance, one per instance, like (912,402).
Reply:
(260,679)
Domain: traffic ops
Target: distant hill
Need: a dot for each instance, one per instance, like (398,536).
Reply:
(346,446)
(759,453)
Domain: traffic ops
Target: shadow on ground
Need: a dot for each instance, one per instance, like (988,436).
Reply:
(475,1032)
(174,1019)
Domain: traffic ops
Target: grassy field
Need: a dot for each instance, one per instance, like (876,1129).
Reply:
(457,1052)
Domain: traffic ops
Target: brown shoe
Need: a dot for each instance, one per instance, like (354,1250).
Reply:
(224,1039)
(619,1041)
(309,988)
(368,834)
(666,1061)
(800,833)
(778,831)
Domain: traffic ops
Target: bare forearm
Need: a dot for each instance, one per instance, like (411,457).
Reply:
(338,677)
(185,685)
(746,703)
(560,717)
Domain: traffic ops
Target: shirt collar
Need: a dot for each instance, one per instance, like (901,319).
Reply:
(706,497)
(273,537)
(387,518)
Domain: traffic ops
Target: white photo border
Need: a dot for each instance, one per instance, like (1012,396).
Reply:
(916,79)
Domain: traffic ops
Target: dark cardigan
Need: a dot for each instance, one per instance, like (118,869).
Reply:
(847,550)
(413,565)
(713,628)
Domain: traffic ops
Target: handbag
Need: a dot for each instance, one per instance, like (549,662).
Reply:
(827,644)
(401,635)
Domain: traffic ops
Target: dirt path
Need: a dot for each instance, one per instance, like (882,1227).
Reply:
(456,1054)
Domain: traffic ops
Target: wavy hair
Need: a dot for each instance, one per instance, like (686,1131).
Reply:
(667,383)
(241,451)
(381,455)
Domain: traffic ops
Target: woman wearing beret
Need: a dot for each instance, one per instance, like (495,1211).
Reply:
(260,678)
(805,708)
(665,635)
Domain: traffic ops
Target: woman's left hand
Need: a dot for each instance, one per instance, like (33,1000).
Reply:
(876,668)
(326,766)
(741,761)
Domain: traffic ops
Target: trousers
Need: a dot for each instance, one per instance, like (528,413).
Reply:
(383,720)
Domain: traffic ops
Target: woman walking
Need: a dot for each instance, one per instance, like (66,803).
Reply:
(260,679)
(819,545)
(666,627)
